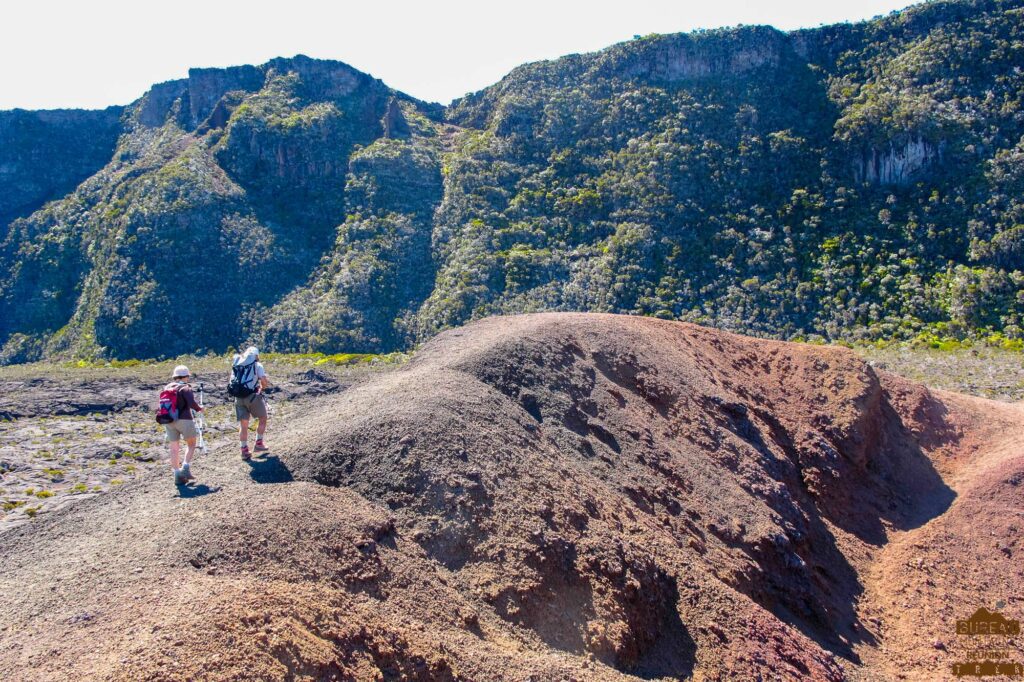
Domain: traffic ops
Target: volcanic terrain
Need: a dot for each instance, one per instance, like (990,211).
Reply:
(551,497)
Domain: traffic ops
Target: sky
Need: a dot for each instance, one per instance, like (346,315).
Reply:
(91,54)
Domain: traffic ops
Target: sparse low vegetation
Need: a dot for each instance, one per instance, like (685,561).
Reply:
(979,369)
(208,368)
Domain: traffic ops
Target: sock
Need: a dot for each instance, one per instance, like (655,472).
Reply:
(259,440)
(245,443)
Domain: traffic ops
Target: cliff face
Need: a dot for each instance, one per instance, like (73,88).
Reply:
(852,181)
(671,59)
(45,154)
(206,87)
(897,165)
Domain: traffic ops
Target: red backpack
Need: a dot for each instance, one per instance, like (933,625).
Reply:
(167,411)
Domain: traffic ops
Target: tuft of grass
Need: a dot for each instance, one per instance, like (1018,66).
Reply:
(11,505)
(79,488)
(43,494)
(54,474)
(117,481)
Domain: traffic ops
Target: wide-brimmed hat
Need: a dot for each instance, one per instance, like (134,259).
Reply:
(181,371)
(250,354)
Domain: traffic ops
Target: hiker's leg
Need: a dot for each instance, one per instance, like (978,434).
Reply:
(191,451)
(259,410)
(242,415)
(171,437)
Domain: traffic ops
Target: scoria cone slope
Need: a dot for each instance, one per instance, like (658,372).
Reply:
(562,496)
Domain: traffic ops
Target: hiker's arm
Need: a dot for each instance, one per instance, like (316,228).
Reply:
(264,381)
(190,397)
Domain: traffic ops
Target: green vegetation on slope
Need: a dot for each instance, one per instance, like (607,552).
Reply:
(855,182)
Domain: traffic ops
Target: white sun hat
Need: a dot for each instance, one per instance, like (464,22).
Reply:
(248,356)
(181,371)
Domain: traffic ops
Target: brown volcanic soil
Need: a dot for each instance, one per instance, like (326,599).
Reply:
(556,496)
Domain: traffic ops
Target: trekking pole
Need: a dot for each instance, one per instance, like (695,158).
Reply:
(201,423)
(270,405)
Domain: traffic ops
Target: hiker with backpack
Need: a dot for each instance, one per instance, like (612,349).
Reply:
(175,412)
(248,381)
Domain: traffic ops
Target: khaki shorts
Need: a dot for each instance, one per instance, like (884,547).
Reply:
(178,429)
(254,405)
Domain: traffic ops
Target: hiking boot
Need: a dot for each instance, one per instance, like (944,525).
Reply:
(179,477)
(260,447)
(246,455)
(186,474)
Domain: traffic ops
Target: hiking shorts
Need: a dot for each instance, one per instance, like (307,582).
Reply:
(250,406)
(178,429)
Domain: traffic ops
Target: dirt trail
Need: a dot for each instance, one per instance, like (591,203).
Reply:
(925,579)
(558,496)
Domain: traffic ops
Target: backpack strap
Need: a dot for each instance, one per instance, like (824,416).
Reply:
(182,403)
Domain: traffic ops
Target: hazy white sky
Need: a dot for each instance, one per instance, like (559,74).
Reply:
(95,53)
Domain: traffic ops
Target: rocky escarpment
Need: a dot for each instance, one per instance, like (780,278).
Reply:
(224,192)
(681,57)
(204,89)
(44,155)
(855,182)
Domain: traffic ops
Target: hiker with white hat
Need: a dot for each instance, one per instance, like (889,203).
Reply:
(248,380)
(177,401)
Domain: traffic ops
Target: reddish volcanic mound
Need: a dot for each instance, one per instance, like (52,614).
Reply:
(553,496)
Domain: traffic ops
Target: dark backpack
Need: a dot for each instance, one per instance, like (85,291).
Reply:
(243,380)
(167,411)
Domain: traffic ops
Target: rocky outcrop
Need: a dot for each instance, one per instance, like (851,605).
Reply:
(201,92)
(394,123)
(323,78)
(207,86)
(156,105)
(686,57)
(897,164)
